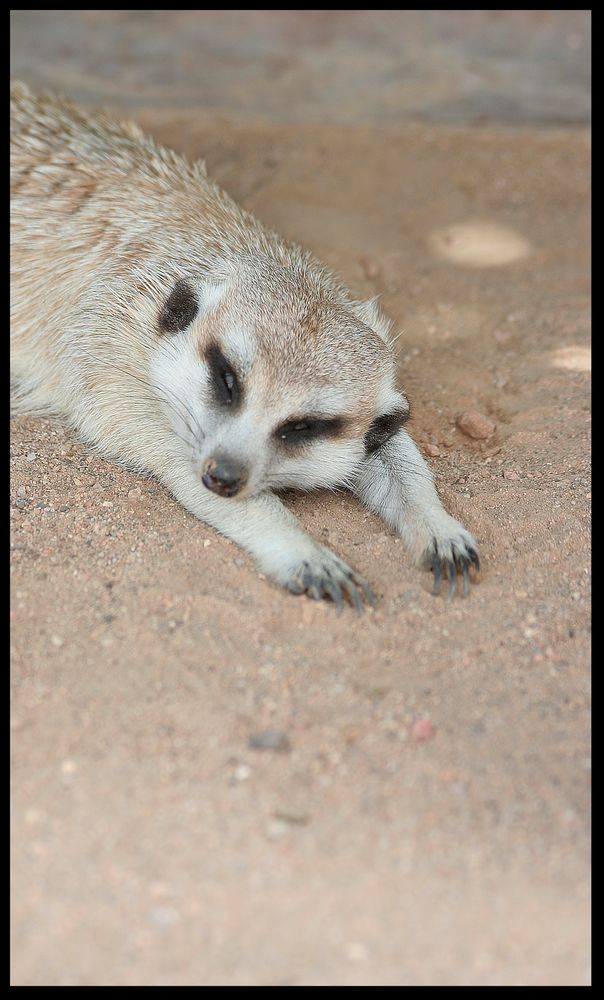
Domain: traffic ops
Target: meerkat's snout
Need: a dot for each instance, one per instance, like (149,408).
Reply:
(223,476)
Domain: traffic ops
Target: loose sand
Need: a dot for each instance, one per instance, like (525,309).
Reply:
(428,823)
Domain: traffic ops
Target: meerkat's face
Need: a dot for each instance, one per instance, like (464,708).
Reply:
(274,392)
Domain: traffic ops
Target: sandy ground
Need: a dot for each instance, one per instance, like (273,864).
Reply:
(425,822)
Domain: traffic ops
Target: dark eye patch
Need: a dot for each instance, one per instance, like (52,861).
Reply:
(223,377)
(180,309)
(383,428)
(305,429)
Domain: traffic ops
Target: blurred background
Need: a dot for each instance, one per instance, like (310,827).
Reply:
(517,67)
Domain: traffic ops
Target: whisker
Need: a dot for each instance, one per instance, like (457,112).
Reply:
(146,383)
(160,391)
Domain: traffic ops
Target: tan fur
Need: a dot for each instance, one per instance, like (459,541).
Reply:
(104,223)
(94,201)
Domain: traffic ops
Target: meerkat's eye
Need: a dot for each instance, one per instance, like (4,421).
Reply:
(224,381)
(291,431)
(295,432)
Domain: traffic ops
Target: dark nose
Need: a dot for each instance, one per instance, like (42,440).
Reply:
(223,477)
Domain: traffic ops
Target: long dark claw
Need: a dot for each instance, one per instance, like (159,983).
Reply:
(369,595)
(331,580)
(355,598)
(451,576)
(336,595)
(462,558)
(438,576)
(474,558)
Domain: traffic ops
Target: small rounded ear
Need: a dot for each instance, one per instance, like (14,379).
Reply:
(368,311)
(185,302)
(387,424)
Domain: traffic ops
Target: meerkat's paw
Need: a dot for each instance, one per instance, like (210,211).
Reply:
(322,575)
(450,550)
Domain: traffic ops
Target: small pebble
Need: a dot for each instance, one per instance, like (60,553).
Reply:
(422,729)
(276,828)
(356,952)
(448,777)
(475,425)
(289,814)
(31,456)
(269,739)
(431,450)
(21,491)
(162,917)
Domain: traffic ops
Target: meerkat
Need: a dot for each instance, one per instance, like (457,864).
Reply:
(181,338)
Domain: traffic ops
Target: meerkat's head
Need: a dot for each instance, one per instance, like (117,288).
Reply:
(270,383)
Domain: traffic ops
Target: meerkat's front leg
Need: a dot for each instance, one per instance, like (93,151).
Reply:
(397,484)
(267,530)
